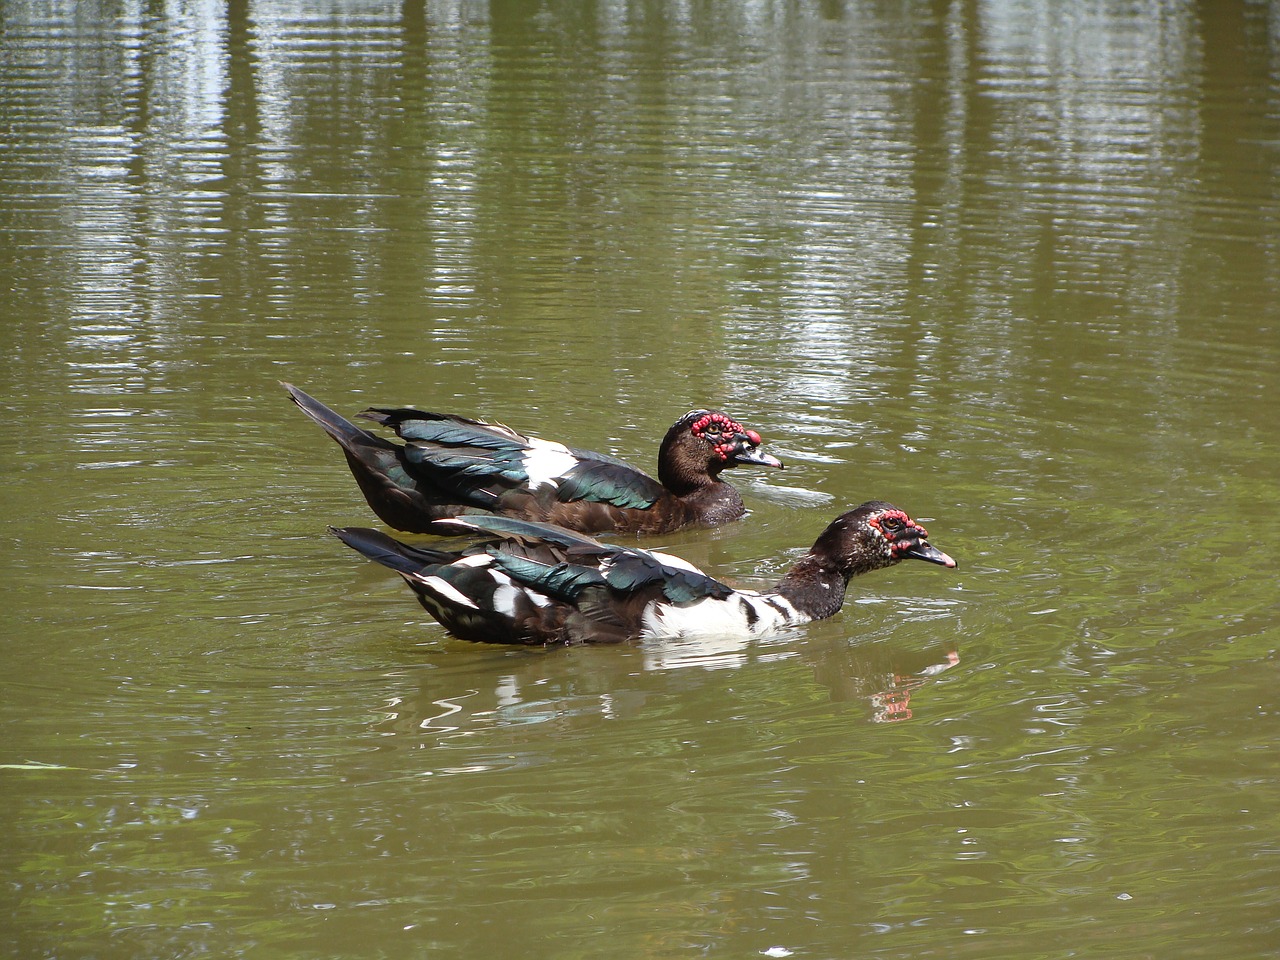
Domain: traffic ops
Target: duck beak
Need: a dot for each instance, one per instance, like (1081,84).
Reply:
(746,450)
(923,550)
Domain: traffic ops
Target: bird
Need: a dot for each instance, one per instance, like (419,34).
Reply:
(450,465)
(519,582)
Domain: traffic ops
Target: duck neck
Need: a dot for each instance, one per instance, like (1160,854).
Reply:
(682,483)
(679,476)
(814,587)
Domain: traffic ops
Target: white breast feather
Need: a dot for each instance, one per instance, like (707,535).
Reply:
(718,618)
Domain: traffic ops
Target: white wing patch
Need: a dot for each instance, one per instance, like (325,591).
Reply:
(678,562)
(506,591)
(731,617)
(446,591)
(546,461)
(504,595)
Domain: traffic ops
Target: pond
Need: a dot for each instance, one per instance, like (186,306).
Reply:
(1011,265)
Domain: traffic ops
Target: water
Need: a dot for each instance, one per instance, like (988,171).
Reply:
(1013,266)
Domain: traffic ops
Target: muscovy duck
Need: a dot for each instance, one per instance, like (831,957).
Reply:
(450,465)
(533,583)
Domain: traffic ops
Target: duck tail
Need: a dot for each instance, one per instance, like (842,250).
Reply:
(350,437)
(396,495)
(390,552)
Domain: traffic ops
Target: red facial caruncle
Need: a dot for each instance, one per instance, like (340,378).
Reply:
(893,525)
(728,430)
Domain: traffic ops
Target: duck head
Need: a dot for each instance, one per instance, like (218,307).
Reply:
(715,439)
(875,535)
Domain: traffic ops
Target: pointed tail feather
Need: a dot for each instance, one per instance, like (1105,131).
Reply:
(390,552)
(341,429)
(400,499)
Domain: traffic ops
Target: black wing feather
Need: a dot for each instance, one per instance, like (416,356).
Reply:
(609,481)
(632,570)
(624,569)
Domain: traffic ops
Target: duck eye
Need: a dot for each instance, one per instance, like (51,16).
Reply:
(891,523)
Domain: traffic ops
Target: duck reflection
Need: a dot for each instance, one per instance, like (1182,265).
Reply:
(585,687)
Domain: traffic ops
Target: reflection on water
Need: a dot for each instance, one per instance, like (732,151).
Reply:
(1068,153)
(553,689)
(1012,265)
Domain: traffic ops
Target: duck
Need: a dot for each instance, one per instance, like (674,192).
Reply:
(520,582)
(450,465)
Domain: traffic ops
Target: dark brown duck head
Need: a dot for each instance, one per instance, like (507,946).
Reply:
(701,444)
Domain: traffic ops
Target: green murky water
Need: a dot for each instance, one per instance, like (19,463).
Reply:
(1014,266)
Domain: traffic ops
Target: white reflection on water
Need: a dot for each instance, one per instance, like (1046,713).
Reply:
(577,689)
(713,653)
(1080,134)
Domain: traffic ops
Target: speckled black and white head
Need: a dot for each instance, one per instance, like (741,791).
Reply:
(874,535)
(702,443)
